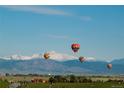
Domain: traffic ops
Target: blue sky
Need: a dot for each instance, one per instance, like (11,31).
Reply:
(26,30)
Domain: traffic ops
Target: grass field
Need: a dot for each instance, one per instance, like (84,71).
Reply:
(4,84)
(97,82)
(74,85)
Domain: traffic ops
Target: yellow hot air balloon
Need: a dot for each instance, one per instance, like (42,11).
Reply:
(46,55)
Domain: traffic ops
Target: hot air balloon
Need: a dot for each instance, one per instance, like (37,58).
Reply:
(109,66)
(75,47)
(46,55)
(82,59)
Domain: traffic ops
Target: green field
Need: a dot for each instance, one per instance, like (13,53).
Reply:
(4,84)
(62,82)
(74,85)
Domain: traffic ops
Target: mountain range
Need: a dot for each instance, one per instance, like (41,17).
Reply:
(58,64)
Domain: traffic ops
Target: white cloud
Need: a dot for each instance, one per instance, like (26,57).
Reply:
(45,10)
(38,10)
(86,18)
(90,59)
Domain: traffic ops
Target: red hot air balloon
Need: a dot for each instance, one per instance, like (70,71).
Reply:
(82,59)
(75,47)
(109,66)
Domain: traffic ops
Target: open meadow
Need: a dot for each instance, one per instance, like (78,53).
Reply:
(71,81)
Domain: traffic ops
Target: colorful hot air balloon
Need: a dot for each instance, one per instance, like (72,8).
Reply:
(82,59)
(46,55)
(109,66)
(75,47)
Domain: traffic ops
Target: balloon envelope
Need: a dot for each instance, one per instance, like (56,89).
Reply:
(109,66)
(75,47)
(82,59)
(46,55)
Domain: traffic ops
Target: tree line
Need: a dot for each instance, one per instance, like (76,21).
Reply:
(78,79)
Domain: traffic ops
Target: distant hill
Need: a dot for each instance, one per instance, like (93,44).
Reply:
(58,64)
(118,61)
(42,66)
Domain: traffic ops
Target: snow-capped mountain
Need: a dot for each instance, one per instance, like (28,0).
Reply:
(64,57)
(19,57)
(61,57)
(53,55)
(58,64)
(42,66)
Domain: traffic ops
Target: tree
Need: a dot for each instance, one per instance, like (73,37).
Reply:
(51,80)
(59,78)
(73,79)
(7,74)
